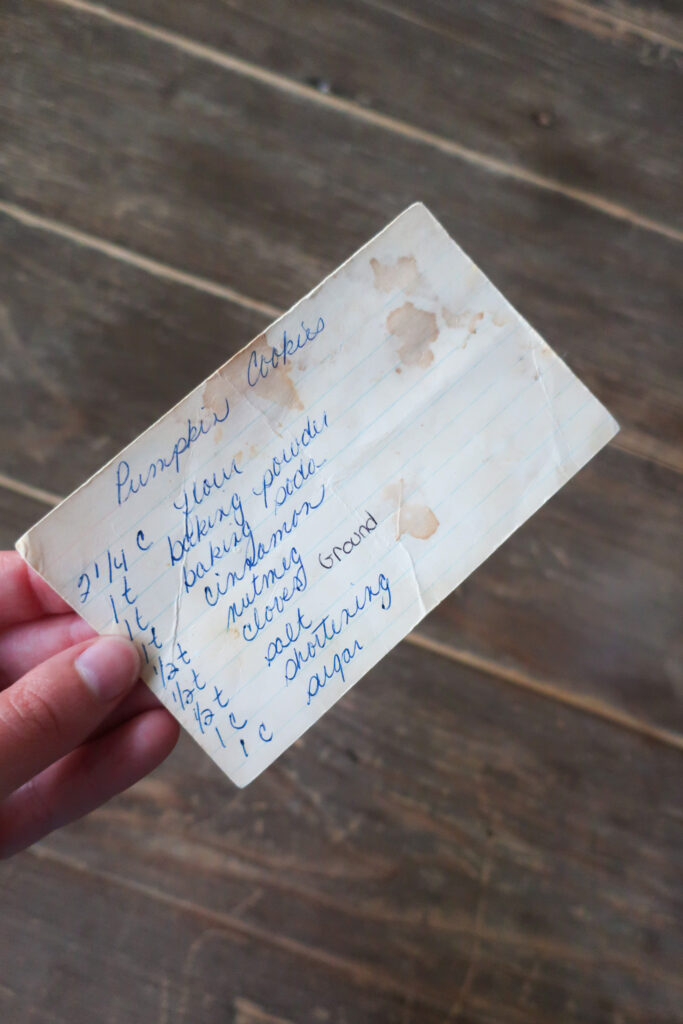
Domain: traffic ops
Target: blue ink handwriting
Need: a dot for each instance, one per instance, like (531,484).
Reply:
(260,364)
(129,483)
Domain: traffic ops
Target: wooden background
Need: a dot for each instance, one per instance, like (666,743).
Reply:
(489,828)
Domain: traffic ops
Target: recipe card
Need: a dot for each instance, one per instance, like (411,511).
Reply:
(275,534)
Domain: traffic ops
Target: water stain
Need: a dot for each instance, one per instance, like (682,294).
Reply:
(217,435)
(416,520)
(452,319)
(403,274)
(415,329)
(215,393)
(277,386)
(474,320)
(467,318)
(500,319)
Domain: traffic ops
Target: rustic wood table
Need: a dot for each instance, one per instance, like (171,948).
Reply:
(489,828)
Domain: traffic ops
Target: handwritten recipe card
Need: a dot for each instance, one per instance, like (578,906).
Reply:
(275,534)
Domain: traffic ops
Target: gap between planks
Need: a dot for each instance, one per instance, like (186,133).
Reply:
(373,978)
(579,702)
(124,255)
(603,23)
(487,666)
(359,972)
(386,122)
(29,491)
(632,442)
(607,23)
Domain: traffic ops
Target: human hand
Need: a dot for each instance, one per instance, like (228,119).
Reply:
(77,725)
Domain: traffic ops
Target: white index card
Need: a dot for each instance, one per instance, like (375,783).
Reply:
(275,534)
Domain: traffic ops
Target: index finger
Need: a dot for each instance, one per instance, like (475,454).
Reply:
(24,595)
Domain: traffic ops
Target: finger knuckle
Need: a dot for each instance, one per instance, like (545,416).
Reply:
(29,713)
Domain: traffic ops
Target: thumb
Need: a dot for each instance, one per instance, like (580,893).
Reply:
(55,706)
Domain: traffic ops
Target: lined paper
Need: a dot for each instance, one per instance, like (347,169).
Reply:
(276,533)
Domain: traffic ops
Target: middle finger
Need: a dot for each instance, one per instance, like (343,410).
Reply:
(24,646)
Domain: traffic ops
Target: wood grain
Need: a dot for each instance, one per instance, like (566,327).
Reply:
(122,951)
(94,350)
(588,593)
(84,337)
(205,177)
(657,22)
(447,844)
(433,850)
(604,123)
(17,514)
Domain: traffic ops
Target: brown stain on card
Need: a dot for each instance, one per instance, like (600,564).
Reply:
(415,519)
(403,274)
(418,521)
(466,319)
(277,386)
(473,321)
(415,329)
(215,394)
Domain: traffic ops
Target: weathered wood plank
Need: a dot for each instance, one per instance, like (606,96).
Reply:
(551,88)
(442,846)
(94,350)
(597,567)
(78,948)
(17,513)
(231,179)
(654,22)
(505,858)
